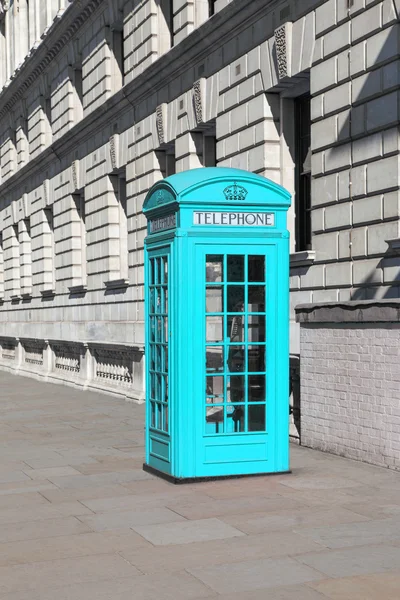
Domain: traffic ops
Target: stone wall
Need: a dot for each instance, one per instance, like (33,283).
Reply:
(110,368)
(350,379)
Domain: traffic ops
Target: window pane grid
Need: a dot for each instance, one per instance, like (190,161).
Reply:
(158,316)
(235,343)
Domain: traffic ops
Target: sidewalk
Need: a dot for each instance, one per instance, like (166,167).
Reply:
(80,520)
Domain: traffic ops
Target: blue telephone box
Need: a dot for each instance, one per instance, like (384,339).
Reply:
(217,325)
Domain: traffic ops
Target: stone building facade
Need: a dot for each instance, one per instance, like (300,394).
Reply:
(101,98)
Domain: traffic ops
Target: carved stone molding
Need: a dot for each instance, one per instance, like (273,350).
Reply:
(283,46)
(161,122)
(46,192)
(199,99)
(114,151)
(75,175)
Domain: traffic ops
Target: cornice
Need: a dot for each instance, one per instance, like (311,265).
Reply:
(55,39)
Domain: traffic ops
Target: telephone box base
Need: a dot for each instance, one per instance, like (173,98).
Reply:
(180,481)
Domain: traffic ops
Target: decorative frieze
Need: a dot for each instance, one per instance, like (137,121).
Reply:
(114,151)
(160,122)
(283,47)
(198,100)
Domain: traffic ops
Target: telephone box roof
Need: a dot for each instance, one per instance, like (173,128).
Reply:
(233,185)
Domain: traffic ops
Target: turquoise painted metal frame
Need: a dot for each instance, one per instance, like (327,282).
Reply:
(190,448)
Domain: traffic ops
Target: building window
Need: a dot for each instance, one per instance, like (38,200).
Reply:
(49,251)
(119,187)
(25,245)
(166,25)
(15,262)
(167,161)
(79,200)
(118,58)
(1,267)
(78,85)
(210,149)
(211,7)
(303,173)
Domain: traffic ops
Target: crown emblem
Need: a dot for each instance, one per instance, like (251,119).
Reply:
(235,192)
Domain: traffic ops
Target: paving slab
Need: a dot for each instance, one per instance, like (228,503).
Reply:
(360,560)
(256,574)
(382,586)
(125,519)
(80,519)
(185,532)
(58,573)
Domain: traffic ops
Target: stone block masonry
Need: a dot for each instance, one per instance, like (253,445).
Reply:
(350,379)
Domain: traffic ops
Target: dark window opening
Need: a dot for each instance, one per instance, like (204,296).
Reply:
(303,173)
(211,7)
(119,56)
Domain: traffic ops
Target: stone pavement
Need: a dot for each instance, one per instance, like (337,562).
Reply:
(80,520)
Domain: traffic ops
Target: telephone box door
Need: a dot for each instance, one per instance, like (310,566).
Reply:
(158,447)
(237,307)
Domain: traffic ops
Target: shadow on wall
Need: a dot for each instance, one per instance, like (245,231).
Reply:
(371,289)
(294,398)
(360,142)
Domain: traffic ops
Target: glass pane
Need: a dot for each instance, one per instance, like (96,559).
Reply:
(256,358)
(256,331)
(166,300)
(256,417)
(215,389)
(214,329)
(151,297)
(256,298)
(151,271)
(152,357)
(236,359)
(214,414)
(153,414)
(214,299)
(236,389)
(157,271)
(235,268)
(256,388)
(235,331)
(165,424)
(256,268)
(215,358)
(152,386)
(214,268)
(166,359)
(166,388)
(152,329)
(235,298)
(238,418)
(165,270)
(166,330)
(157,293)
(158,416)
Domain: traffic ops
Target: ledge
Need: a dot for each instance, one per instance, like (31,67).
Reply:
(302,259)
(116,284)
(365,311)
(48,293)
(394,245)
(77,289)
